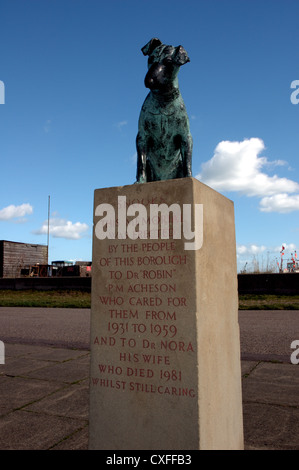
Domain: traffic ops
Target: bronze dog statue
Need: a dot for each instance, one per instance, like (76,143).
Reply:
(164,142)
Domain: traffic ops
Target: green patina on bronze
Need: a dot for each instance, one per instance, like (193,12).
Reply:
(164,142)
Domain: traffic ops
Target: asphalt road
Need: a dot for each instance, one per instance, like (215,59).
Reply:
(61,327)
(264,335)
(268,334)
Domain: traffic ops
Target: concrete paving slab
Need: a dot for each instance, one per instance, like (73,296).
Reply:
(53,414)
(65,372)
(270,427)
(17,392)
(23,430)
(70,402)
(14,366)
(77,441)
(272,383)
(58,354)
(270,406)
(247,367)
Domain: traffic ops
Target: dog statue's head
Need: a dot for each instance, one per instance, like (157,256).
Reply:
(163,65)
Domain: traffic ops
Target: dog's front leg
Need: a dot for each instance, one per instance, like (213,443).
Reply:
(141,176)
(186,150)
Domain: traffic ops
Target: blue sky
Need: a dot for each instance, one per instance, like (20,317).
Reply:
(73,73)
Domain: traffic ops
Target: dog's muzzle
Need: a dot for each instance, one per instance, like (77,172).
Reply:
(158,77)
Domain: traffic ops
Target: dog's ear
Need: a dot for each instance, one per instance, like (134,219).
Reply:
(150,46)
(180,57)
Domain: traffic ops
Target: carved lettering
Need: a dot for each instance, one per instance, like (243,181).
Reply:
(141,310)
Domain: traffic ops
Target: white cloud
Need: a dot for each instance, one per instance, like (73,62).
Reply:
(121,124)
(282,203)
(237,166)
(12,212)
(250,249)
(278,163)
(61,228)
(287,247)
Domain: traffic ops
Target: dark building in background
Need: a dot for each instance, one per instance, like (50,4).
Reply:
(16,258)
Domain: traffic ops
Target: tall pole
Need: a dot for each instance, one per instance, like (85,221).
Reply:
(48,226)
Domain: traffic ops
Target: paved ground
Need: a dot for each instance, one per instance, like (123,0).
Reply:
(44,381)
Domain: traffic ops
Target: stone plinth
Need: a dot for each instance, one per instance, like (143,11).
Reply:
(165,348)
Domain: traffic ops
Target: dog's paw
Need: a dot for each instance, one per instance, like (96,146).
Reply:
(140,180)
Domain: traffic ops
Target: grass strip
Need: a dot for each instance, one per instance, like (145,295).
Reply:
(82,299)
(53,298)
(268,302)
